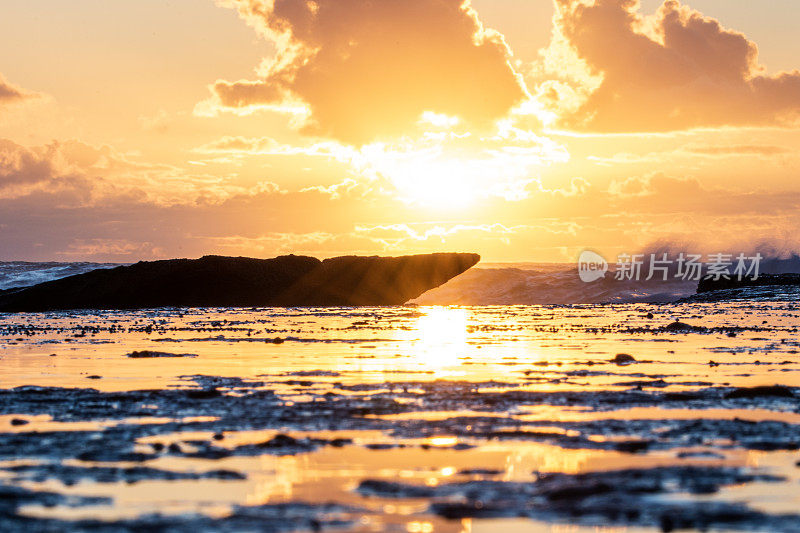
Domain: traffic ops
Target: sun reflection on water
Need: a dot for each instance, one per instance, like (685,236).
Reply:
(442,336)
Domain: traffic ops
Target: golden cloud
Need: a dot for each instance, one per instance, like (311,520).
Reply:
(675,70)
(12,94)
(369,69)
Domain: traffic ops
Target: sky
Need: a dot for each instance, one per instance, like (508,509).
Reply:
(523,130)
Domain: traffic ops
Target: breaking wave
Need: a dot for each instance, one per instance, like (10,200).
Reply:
(554,284)
(560,284)
(15,274)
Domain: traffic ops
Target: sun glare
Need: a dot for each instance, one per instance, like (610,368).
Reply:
(439,184)
(442,334)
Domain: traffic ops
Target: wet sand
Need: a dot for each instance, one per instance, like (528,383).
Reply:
(402,419)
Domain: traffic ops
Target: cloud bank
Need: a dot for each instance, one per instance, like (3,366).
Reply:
(368,69)
(674,70)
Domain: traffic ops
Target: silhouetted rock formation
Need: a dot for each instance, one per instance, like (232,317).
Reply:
(215,281)
(766,287)
(708,284)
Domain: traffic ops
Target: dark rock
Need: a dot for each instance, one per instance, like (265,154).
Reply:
(625,498)
(766,287)
(480,472)
(390,489)
(19,422)
(215,281)
(763,280)
(778,391)
(382,446)
(579,491)
(632,446)
(174,448)
(704,454)
(71,474)
(623,359)
(203,394)
(150,353)
(682,327)
(280,441)
(111,455)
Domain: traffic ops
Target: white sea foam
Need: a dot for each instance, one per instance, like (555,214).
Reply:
(23,273)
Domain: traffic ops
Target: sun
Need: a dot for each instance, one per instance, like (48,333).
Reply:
(441,183)
(427,177)
(455,169)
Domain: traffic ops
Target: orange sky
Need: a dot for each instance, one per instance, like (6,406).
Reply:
(524,130)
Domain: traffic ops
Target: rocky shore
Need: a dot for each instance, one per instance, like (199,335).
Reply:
(764,287)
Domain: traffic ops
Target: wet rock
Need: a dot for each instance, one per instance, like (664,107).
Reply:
(282,444)
(71,475)
(255,409)
(764,280)
(623,359)
(480,472)
(614,498)
(774,391)
(146,354)
(633,446)
(280,441)
(12,498)
(579,491)
(682,327)
(272,518)
(705,454)
(203,394)
(108,455)
(391,489)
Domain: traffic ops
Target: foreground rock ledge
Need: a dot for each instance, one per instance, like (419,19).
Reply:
(765,287)
(215,281)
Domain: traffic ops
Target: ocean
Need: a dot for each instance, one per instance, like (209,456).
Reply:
(15,274)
